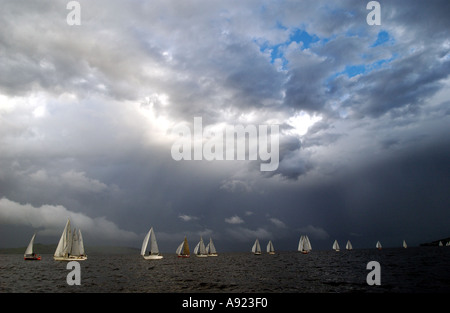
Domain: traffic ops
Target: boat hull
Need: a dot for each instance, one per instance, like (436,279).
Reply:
(201,255)
(153,257)
(70,258)
(213,254)
(183,256)
(38,258)
(271,252)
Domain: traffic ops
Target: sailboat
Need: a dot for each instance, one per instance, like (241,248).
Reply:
(270,248)
(378,245)
(29,255)
(440,244)
(70,246)
(200,249)
(349,246)
(154,251)
(183,249)
(336,246)
(304,245)
(256,249)
(210,248)
(404,244)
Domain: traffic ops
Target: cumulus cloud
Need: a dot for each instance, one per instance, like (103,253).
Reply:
(50,220)
(234,220)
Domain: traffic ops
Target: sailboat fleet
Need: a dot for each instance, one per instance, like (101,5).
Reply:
(71,247)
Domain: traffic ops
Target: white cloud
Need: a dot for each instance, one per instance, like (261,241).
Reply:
(277,222)
(50,220)
(234,220)
(187,218)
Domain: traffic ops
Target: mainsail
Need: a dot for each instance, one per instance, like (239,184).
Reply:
(336,246)
(29,250)
(210,248)
(200,249)
(270,249)
(256,249)
(378,245)
(404,244)
(349,246)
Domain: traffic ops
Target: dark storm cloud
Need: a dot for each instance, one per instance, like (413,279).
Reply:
(86,114)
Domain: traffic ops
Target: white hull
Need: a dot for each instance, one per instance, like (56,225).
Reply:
(201,255)
(152,257)
(213,254)
(70,258)
(257,253)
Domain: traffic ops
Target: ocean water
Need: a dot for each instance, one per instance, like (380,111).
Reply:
(411,270)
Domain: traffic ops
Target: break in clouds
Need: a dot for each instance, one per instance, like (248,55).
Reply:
(87,112)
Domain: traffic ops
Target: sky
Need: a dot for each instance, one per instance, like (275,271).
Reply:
(87,114)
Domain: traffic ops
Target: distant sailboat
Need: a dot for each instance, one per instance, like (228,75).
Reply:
(304,245)
(270,248)
(378,245)
(183,249)
(154,251)
(256,249)
(440,244)
(70,246)
(210,248)
(349,246)
(404,244)
(336,246)
(200,249)
(29,254)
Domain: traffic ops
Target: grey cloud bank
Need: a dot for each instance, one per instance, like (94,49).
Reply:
(87,113)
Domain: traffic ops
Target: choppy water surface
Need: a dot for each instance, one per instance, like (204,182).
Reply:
(420,269)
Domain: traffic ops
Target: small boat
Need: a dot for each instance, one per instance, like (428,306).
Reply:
(70,246)
(153,254)
(256,249)
(183,249)
(29,254)
(270,248)
(349,246)
(304,245)
(404,244)
(440,244)
(336,246)
(200,249)
(378,245)
(211,249)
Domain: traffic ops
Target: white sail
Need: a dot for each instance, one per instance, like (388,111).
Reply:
(145,243)
(154,251)
(404,244)
(180,247)
(256,249)
(270,249)
(75,251)
(336,246)
(200,249)
(378,245)
(349,246)
(29,249)
(210,248)
(65,241)
(80,242)
(304,245)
